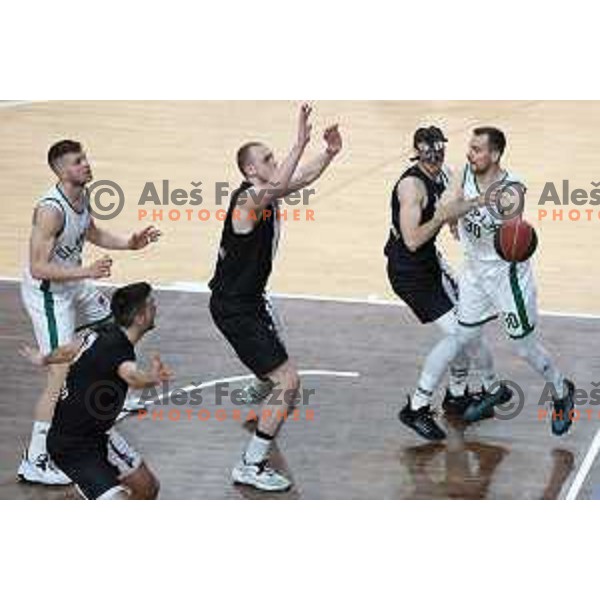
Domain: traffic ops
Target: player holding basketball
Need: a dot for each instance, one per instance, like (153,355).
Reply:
(57,290)
(419,274)
(101,366)
(238,303)
(490,286)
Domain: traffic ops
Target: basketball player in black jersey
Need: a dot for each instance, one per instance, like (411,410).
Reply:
(419,274)
(81,439)
(238,303)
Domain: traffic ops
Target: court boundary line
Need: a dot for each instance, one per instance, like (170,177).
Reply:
(584,469)
(16,103)
(202,288)
(214,382)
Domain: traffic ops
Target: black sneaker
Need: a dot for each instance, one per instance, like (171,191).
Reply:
(561,414)
(422,421)
(482,407)
(455,406)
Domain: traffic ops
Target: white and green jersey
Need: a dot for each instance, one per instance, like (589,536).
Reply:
(490,286)
(68,245)
(477,227)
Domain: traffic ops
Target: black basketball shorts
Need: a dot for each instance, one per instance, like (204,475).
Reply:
(430,292)
(252,331)
(95,465)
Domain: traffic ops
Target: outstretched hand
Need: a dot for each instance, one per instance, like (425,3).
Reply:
(33,355)
(159,370)
(304,126)
(141,239)
(333,139)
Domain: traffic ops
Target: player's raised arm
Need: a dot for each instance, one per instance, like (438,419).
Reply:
(137,378)
(47,225)
(312,170)
(114,241)
(277,187)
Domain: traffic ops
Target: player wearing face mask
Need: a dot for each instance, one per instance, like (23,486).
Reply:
(424,199)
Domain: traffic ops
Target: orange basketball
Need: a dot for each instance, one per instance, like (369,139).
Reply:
(516,240)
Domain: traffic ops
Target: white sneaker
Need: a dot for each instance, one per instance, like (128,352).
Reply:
(261,476)
(42,470)
(257,391)
(133,404)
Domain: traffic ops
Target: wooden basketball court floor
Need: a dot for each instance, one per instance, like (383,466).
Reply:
(352,446)
(362,357)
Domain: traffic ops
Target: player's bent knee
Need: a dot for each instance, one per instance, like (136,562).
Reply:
(153,489)
(148,491)
(286,377)
(142,483)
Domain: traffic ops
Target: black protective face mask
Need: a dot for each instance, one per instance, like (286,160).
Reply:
(432,154)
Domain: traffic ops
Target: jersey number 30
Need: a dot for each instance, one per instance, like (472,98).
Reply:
(473,228)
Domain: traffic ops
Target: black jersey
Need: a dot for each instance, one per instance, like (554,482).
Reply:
(93,394)
(420,278)
(245,260)
(395,249)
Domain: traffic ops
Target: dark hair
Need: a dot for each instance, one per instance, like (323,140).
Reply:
(127,301)
(428,135)
(58,150)
(496,138)
(243,154)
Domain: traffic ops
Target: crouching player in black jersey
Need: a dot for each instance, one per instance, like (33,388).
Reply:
(238,304)
(423,201)
(81,439)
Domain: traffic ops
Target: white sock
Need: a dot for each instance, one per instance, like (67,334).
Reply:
(488,381)
(437,363)
(420,399)
(37,444)
(258,448)
(459,367)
